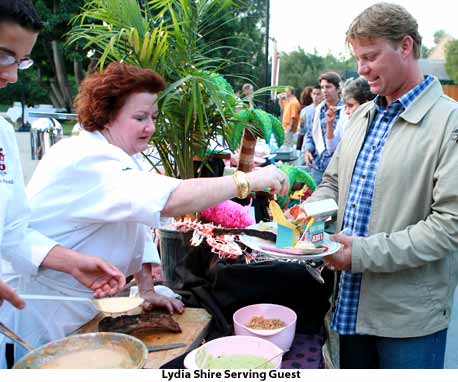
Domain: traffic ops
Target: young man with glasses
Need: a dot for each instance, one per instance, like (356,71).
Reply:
(26,249)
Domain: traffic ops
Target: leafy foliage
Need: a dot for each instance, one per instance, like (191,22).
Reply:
(27,89)
(299,68)
(244,35)
(451,57)
(261,123)
(179,40)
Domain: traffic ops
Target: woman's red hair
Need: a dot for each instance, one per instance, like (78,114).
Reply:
(102,94)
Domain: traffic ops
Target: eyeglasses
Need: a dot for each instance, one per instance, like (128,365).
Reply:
(7,59)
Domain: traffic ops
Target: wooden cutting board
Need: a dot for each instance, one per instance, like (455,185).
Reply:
(194,324)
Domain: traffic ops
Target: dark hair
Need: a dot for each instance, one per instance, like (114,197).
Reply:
(358,89)
(306,96)
(331,77)
(317,86)
(20,12)
(102,94)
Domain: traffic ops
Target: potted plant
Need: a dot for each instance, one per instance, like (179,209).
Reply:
(199,109)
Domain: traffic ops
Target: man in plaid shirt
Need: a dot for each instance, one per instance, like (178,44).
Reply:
(394,177)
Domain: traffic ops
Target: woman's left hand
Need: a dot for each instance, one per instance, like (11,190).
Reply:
(152,300)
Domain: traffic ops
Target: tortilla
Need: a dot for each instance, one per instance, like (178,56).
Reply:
(117,304)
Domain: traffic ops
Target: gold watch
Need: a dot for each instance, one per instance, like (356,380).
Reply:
(243,185)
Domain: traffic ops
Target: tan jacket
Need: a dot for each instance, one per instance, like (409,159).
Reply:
(409,261)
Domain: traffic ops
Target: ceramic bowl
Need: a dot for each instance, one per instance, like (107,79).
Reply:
(282,337)
(234,345)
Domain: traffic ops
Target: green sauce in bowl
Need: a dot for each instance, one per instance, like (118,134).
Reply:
(238,361)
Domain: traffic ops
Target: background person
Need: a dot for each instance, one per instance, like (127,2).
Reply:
(316,157)
(290,116)
(354,93)
(91,192)
(305,100)
(309,112)
(394,178)
(247,94)
(28,251)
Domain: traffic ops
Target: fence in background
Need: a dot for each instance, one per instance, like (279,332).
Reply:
(451,91)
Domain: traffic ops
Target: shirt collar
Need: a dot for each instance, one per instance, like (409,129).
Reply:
(406,99)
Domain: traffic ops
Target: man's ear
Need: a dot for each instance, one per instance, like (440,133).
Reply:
(406,46)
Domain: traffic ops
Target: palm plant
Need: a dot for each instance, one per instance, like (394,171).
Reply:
(172,37)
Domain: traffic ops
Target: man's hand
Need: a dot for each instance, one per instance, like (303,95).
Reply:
(97,274)
(152,299)
(330,118)
(341,260)
(7,293)
(308,158)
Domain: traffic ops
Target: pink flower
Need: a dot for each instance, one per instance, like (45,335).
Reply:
(228,214)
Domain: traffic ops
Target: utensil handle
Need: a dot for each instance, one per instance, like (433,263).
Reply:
(165,347)
(58,298)
(10,334)
(270,359)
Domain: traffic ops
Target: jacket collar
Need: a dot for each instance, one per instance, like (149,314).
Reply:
(423,103)
(97,135)
(419,107)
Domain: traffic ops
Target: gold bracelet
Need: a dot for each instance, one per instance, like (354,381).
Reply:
(243,185)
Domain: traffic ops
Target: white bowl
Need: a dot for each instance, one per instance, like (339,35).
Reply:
(282,337)
(234,345)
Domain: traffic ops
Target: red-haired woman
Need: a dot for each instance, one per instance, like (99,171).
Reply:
(90,193)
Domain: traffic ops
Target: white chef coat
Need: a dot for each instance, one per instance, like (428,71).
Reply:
(92,197)
(20,245)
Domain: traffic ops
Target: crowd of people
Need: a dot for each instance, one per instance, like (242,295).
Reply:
(383,146)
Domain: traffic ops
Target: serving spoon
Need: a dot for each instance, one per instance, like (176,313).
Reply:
(270,359)
(108,305)
(10,334)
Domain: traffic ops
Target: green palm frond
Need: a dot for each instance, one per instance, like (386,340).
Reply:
(121,30)
(277,130)
(264,122)
(172,37)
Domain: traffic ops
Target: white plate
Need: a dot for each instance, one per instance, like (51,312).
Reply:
(256,243)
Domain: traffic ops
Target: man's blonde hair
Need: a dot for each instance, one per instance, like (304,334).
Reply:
(388,21)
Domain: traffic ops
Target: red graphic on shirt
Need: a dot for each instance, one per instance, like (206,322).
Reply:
(2,160)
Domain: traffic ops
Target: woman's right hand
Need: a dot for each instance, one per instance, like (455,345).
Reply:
(269,177)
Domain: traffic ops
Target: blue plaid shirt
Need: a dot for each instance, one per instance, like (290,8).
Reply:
(322,160)
(358,208)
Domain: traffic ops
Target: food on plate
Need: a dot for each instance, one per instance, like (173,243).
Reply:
(112,357)
(261,323)
(307,247)
(145,321)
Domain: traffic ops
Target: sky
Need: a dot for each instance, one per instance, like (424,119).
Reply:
(319,24)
